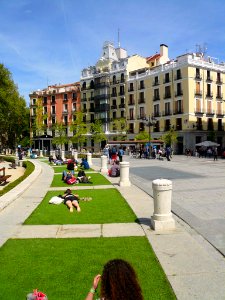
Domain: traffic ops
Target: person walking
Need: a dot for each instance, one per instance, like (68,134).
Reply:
(215,154)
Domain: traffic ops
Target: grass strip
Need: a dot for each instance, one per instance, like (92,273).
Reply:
(64,268)
(96,179)
(60,169)
(106,206)
(29,168)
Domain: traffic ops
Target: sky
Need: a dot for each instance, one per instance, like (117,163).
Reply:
(45,42)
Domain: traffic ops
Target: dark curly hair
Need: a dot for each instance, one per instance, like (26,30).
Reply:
(119,281)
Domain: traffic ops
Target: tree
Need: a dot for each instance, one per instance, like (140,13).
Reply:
(13,111)
(121,127)
(79,129)
(142,136)
(61,138)
(98,134)
(170,137)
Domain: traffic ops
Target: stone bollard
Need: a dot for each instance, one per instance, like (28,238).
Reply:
(63,155)
(54,154)
(124,174)
(17,161)
(104,168)
(41,153)
(75,155)
(162,218)
(89,159)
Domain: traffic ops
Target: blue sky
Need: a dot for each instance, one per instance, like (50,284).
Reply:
(44,42)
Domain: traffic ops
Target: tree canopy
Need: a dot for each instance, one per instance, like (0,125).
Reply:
(14,115)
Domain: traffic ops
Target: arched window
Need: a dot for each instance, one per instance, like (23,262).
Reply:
(92,85)
(84,85)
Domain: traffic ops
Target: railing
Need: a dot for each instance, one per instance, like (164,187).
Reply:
(210,112)
(141,87)
(177,77)
(113,94)
(167,113)
(198,77)
(166,80)
(199,112)
(141,101)
(178,93)
(121,93)
(178,111)
(83,99)
(114,106)
(198,93)
(103,96)
(156,98)
(130,89)
(131,103)
(101,85)
(155,83)
(92,109)
(157,114)
(209,95)
(219,96)
(92,98)
(122,105)
(209,79)
(166,96)
(219,81)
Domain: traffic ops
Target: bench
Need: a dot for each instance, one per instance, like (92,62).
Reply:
(3,177)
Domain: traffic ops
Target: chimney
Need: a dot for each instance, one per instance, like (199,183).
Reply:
(164,54)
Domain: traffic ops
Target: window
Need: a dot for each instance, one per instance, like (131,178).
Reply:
(167,108)
(208,75)
(156,110)
(142,85)
(65,107)
(114,102)
(84,86)
(122,114)
(156,94)
(114,115)
(114,79)
(53,99)
(53,109)
(141,97)
(74,96)
(121,90)
(218,91)
(34,101)
(131,99)
(45,100)
(209,90)
(178,124)
(131,87)
(218,78)
(197,73)
(156,81)
(167,77)
(131,113)
(53,120)
(122,77)
(167,92)
(178,74)
(65,97)
(142,112)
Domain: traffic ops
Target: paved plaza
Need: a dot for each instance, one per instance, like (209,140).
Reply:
(191,255)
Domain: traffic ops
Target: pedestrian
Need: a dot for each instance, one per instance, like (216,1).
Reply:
(168,152)
(215,154)
(120,154)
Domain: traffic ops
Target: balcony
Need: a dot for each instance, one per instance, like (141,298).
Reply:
(198,77)
(178,77)
(101,85)
(178,93)
(102,97)
(65,112)
(156,98)
(92,98)
(84,110)
(83,99)
(114,106)
(65,99)
(166,80)
(131,89)
(178,111)
(155,83)
(219,81)
(141,87)
(102,108)
(198,93)
(91,109)
(121,93)
(114,95)
(130,118)
(168,95)
(140,101)
(141,117)
(219,96)
(122,105)
(199,112)
(74,99)
(131,103)
(219,114)
(167,113)
(209,79)
(210,113)
(157,114)
(209,95)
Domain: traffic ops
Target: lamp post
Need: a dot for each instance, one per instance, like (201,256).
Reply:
(151,121)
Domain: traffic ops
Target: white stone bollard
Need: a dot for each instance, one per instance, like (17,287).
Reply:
(75,155)
(104,168)
(89,159)
(124,174)
(41,153)
(162,218)
(54,154)
(17,161)
(63,155)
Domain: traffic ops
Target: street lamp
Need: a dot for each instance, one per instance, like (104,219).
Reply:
(151,121)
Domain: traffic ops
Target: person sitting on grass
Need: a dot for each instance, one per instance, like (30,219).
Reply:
(71,200)
(71,165)
(81,176)
(84,164)
(118,281)
(68,177)
(115,169)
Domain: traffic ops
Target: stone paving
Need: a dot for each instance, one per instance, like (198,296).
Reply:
(195,269)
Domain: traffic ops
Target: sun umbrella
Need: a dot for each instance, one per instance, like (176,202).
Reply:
(207,144)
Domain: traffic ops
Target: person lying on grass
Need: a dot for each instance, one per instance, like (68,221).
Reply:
(71,200)
(118,281)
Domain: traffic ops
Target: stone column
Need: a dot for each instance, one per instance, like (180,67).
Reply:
(41,153)
(89,159)
(63,155)
(54,155)
(104,168)
(162,218)
(124,174)
(75,155)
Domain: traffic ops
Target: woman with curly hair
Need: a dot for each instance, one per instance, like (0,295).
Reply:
(118,282)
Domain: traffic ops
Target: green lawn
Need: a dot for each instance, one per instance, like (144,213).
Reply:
(64,268)
(60,169)
(106,206)
(96,178)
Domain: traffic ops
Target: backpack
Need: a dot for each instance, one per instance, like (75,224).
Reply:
(71,180)
(36,296)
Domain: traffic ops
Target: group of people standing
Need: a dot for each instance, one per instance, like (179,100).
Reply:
(113,153)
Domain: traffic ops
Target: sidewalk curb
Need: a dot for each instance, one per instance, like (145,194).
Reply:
(18,190)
